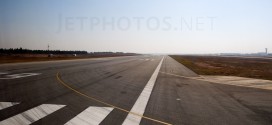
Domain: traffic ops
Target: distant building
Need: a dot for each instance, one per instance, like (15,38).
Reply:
(265,53)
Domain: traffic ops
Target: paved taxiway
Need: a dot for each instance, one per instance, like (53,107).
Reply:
(124,90)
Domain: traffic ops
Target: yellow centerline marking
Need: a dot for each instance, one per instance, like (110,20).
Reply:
(105,103)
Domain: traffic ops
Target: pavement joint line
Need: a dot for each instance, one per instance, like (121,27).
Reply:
(105,103)
(200,78)
(197,78)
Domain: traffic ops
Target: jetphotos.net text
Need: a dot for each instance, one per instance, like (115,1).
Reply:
(152,23)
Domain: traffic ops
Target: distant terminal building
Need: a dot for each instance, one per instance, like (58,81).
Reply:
(265,53)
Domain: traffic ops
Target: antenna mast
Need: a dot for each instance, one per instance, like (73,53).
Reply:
(48,47)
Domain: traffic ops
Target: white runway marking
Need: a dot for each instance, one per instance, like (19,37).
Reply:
(140,105)
(4,105)
(32,115)
(91,116)
(20,75)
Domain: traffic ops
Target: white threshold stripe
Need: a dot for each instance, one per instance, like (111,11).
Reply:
(90,116)
(32,115)
(141,103)
(4,105)
(20,75)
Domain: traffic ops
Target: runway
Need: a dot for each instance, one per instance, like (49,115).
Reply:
(124,90)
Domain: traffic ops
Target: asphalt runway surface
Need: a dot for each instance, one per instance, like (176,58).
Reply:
(132,90)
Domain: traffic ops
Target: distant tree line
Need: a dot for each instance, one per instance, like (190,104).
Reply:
(28,51)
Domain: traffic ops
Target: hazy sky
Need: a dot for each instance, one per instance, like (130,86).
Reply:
(142,26)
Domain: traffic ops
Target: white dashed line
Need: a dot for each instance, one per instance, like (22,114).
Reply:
(32,115)
(20,75)
(4,105)
(141,103)
(2,73)
(91,116)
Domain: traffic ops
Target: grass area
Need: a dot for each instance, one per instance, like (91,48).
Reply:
(228,66)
